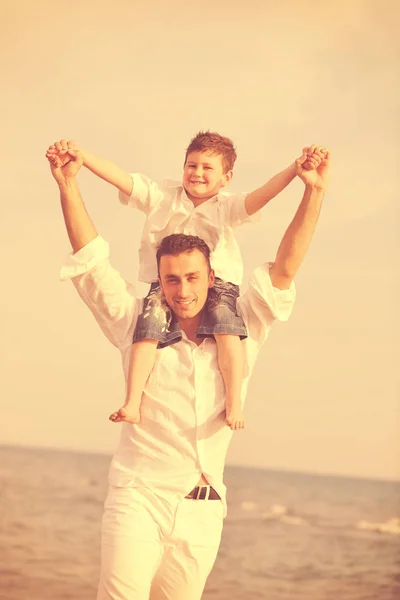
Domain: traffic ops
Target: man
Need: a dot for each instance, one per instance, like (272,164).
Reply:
(163,515)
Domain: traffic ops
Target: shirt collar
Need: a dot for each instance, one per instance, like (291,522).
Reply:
(180,187)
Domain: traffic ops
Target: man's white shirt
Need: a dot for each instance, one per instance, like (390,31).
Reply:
(168,210)
(182,433)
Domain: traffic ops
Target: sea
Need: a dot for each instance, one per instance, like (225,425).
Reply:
(287,536)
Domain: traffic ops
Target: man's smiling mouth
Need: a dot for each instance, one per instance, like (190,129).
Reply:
(186,302)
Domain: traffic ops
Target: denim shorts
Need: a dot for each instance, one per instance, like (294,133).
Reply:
(219,316)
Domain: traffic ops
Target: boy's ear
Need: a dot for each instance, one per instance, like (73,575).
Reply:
(228,176)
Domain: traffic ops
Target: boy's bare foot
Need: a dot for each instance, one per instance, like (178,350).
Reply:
(127,414)
(235,419)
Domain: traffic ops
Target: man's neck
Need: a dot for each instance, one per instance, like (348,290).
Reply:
(190,328)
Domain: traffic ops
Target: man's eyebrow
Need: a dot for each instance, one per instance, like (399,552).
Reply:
(193,273)
(172,276)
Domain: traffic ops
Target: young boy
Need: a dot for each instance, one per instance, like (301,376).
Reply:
(195,207)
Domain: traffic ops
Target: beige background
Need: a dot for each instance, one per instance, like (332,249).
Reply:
(133,81)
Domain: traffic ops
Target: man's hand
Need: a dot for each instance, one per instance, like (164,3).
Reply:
(313,167)
(65,160)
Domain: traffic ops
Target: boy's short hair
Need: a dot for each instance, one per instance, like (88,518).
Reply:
(178,243)
(209,141)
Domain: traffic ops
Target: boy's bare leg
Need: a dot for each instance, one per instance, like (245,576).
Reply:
(143,355)
(230,361)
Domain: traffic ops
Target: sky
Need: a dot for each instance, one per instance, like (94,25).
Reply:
(133,82)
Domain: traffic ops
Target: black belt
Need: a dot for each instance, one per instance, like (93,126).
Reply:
(203,492)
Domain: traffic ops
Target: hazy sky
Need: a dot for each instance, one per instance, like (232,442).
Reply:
(133,81)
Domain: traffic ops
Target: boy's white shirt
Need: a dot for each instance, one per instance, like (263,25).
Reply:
(169,210)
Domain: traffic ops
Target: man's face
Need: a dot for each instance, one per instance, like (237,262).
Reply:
(185,280)
(204,176)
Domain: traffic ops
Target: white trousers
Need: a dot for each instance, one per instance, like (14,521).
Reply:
(152,549)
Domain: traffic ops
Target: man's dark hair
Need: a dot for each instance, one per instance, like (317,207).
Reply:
(179,243)
(209,141)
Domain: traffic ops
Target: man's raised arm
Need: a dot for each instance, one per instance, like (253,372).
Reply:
(80,227)
(297,239)
(110,298)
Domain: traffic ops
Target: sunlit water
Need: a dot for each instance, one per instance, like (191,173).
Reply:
(287,536)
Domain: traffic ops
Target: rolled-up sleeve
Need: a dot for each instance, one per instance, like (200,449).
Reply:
(145,196)
(234,211)
(109,297)
(262,303)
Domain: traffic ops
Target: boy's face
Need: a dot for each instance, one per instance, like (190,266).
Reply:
(204,176)
(185,280)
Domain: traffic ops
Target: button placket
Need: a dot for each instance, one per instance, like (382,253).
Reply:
(197,360)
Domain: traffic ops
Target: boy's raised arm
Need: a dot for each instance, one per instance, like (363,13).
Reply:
(101,167)
(108,171)
(261,196)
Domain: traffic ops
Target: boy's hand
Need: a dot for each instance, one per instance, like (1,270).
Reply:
(59,151)
(319,160)
(65,160)
(315,154)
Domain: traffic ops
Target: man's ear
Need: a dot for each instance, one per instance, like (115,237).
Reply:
(211,278)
